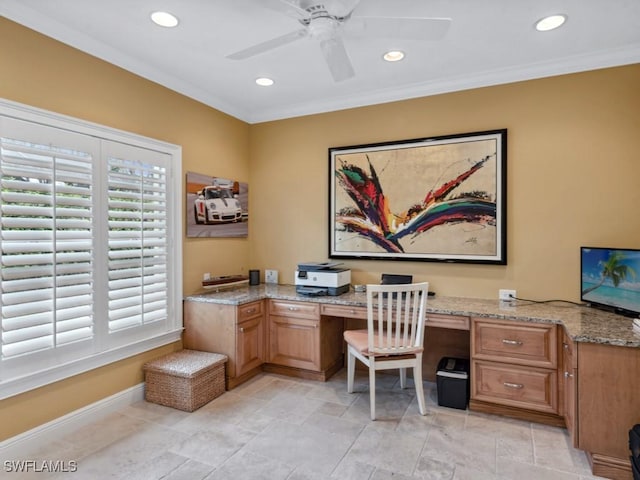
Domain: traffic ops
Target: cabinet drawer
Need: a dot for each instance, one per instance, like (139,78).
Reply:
(344,311)
(447,321)
(250,310)
(532,344)
(522,387)
(285,308)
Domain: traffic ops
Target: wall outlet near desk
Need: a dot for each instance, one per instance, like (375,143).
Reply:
(506,295)
(270,276)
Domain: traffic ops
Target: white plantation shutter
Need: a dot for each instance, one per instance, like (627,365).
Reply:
(89,247)
(137,209)
(46,238)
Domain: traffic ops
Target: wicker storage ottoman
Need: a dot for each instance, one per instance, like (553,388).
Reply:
(185,380)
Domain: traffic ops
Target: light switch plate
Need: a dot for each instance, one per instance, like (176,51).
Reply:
(270,276)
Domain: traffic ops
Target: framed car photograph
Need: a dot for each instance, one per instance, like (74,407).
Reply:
(439,199)
(216,206)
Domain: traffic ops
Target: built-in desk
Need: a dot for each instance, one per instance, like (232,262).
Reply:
(546,363)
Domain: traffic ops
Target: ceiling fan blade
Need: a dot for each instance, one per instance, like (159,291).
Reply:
(337,58)
(290,8)
(268,45)
(411,28)
(340,8)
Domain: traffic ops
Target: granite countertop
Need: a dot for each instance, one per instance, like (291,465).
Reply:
(582,324)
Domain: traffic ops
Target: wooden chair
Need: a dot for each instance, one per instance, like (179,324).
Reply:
(393,338)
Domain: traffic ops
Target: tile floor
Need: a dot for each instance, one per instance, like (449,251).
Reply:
(275,427)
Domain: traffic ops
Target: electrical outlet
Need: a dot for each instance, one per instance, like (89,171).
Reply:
(206,276)
(270,276)
(506,295)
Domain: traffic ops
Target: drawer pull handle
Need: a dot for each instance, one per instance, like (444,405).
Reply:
(565,346)
(293,309)
(513,385)
(241,329)
(251,310)
(511,342)
(568,375)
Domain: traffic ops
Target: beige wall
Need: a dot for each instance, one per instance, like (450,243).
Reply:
(46,74)
(573,179)
(573,170)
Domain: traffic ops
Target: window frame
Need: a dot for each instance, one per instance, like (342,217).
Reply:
(49,374)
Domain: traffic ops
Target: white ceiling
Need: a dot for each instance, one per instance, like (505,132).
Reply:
(488,42)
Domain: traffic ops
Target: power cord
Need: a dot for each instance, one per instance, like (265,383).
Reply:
(579,304)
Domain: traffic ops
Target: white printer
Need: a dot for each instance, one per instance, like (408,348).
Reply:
(327,278)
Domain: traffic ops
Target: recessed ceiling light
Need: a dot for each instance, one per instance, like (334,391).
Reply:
(549,23)
(164,19)
(264,81)
(393,56)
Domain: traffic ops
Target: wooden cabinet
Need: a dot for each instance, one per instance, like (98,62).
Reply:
(237,332)
(294,334)
(250,338)
(608,405)
(514,364)
(568,379)
(600,385)
(301,338)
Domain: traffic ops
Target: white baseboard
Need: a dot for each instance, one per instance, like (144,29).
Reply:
(21,445)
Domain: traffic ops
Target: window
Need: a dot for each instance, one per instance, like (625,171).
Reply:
(90,260)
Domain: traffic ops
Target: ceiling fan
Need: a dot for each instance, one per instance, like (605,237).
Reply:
(326,21)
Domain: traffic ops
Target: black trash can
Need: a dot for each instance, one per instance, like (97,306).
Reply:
(452,382)
(634,446)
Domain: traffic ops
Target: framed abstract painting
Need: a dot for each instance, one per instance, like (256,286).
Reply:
(438,199)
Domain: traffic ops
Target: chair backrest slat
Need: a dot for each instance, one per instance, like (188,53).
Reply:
(395,321)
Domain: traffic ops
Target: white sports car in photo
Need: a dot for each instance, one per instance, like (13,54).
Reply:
(216,205)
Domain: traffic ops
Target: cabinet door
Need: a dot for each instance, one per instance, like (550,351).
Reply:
(249,345)
(608,404)
(569,382)
(294,342)
(250,333)
(210,327)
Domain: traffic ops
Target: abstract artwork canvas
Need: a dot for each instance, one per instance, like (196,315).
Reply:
(216,206)
(431,199)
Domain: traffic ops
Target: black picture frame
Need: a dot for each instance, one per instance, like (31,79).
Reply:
(435,199)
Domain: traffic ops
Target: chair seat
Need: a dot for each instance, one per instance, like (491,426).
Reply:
(359,339)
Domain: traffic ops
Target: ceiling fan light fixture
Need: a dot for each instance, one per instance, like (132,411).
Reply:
(551,22)
(264,81)
(393,56)
(164,19)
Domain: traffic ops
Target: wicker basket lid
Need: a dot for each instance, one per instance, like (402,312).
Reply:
(185,363)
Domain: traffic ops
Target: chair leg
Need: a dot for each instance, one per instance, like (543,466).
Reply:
(403,378)
(417,379)
(372,389)
(351,370)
